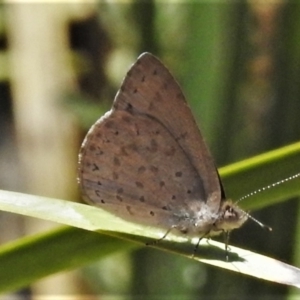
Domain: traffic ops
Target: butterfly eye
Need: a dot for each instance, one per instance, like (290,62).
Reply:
(228,208)
(229,212)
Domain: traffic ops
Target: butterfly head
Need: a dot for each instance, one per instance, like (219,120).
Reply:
(230,217)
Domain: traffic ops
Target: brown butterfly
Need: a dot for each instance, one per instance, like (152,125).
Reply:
(146,161)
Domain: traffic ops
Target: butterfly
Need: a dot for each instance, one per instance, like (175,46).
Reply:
(146,161)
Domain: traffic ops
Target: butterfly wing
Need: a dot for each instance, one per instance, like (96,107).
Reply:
(150,89)
(145,159)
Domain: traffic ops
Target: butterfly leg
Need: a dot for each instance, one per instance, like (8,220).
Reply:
(198,243)
(227,249)
(163,237)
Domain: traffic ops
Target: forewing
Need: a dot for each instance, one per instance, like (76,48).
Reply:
(145,160)
(149,89)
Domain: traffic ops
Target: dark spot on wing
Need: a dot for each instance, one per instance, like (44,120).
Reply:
(120,190)
(151,106)
(182,136)
(153,169)
(137,131)
(95,167)
(142,199)
(129,107)
(141,169)
(139,184)
(119,198)
(126,119)
(92,148)
(170,151)
(133,147)
(116,162)
(158,97)
(115,176)
(129,209)
(153,146)
(109,124)
(178,174)
(124,151)
(179,95)
(122,89)
(99,151)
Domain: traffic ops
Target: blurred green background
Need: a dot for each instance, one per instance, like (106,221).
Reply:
(238,63)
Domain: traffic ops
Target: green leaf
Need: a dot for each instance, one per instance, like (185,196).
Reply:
(34,257)
(262,172)
(31,258)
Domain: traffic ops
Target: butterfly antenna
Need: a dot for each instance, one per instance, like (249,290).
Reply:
(262,190)
(262,225)
(268,187)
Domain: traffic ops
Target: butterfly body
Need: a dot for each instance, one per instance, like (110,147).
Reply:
(146,161)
